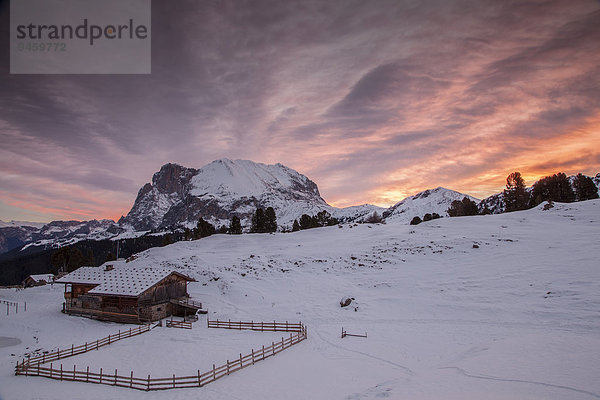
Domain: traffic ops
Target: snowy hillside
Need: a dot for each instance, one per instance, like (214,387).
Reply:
(485,307)
(436,200)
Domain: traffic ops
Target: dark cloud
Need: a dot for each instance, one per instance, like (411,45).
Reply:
(345,91)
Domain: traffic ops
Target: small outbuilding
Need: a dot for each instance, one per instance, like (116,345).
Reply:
(38,280)
(127,294)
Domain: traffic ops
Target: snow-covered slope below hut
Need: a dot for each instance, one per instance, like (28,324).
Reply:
(484,307)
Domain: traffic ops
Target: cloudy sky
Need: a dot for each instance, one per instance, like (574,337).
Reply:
(374,100)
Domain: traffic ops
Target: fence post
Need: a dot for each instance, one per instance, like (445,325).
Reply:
(115,377)
(61,372)
(96,344)
(214,375)
(17,307)
(72,350)
(148,387)
(252,356)
(131,378)
(241,364)
(273,347)
(38,373)
(25,306)
(282,344)
(73,371)
(50,370)
(87,374)
(173,381)
(108,339)
(86,347)
(286,327)
(199,379)
(227,367)
(44,358)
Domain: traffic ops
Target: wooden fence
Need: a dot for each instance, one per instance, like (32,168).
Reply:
(198,380)
(14,304)
(84,348)
(257,326)
(179,324)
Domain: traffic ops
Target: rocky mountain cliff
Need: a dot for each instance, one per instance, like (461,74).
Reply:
(180,196)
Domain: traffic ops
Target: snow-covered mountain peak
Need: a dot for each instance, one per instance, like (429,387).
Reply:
(244,178)
(436,200)
(219,190)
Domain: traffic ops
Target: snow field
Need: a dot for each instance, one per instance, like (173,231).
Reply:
(516,318)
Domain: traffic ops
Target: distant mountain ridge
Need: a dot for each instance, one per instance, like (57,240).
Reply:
(178,196)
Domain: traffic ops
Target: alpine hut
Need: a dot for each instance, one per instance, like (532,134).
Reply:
(127,294)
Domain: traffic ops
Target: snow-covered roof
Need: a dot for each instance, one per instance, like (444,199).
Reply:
(42,277)
(121,280)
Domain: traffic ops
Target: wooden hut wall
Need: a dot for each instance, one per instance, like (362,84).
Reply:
(171,287)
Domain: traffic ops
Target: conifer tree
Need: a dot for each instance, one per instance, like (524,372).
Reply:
(270,220)
(552,188)
(416,221)
(235,225)
(203,229)
(515,195)
(295,226)
(258,221)
(306,222)
(585,189)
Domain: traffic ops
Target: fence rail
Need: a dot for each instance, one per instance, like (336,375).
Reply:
(30,368)
(179,324)
(84,348)
(257,326)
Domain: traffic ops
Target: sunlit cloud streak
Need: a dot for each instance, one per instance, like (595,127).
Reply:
(374,100)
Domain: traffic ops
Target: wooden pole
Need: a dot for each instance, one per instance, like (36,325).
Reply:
(227,367)
(148,387)
(61,372)
(173,381)
(199,384)
(100,375)
(50,370)
(73,371)
(115,376)
(252,356)
(87,374)
(131,377)
(214,376)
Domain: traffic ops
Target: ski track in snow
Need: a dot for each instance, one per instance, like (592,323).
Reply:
(498,379)
(392,363)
